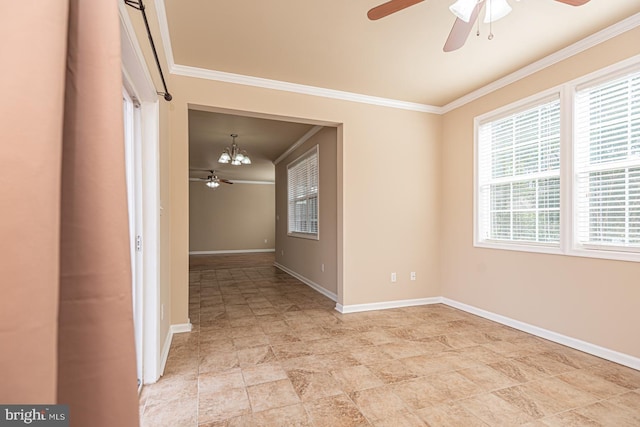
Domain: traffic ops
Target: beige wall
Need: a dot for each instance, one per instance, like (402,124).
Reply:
(589,299)
(306,256)
(231,217)
(389,212)
(404,202)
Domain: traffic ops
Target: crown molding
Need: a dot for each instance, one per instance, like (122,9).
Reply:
(201,73)
(161,11)
(593,40)
(304,138)
(221,76)
(240,181)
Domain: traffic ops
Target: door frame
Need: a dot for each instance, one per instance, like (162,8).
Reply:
(138,83)
(133,162)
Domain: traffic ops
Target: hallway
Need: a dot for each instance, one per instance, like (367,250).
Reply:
(267,350)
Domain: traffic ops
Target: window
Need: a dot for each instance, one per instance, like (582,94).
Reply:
(519,175)
(560,172)
(607,163)
(302,189)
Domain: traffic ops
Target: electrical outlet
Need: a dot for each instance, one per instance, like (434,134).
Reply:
(322,268)
(413,275)
(161,311)
(282,252)
(394,277)
(265,240)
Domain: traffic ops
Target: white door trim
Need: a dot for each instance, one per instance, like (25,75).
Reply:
(137,81)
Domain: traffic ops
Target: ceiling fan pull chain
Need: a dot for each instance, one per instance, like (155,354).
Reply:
(478,25)
(490,36)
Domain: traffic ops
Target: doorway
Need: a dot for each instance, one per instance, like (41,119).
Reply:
(133,164)
(272,141)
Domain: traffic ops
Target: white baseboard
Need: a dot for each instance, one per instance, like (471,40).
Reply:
(596,350)
(173,329)
(231,251)
(180,328)
(307,282)
(356,308)
(605,353)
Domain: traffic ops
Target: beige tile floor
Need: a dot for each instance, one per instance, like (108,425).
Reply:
(267,350)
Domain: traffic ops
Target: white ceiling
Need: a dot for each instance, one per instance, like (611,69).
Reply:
(332,44)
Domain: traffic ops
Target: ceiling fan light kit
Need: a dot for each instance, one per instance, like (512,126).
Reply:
(466,13)
(463,9)
(496,9)
(212,181)
(234,155)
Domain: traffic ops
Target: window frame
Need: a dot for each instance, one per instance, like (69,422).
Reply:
(568,244)
(530,104)
(314,151)
(604,166)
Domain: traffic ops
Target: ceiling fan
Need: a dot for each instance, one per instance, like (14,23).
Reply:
(212,180)
(466,12)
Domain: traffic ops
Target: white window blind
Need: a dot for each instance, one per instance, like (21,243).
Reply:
(302,180)
(607,164)
(518,175)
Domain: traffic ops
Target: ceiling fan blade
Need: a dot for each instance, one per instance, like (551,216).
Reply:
(460,30)
(197,179)
(390,7)
(574,2)
(226,181)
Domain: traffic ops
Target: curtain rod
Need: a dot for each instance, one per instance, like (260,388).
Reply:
(137,4)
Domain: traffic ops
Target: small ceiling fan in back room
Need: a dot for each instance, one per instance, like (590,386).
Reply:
(211,181)
(466,12)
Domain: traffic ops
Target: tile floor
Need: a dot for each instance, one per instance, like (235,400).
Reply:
(267,350)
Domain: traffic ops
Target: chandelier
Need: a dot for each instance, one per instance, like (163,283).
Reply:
(234,155)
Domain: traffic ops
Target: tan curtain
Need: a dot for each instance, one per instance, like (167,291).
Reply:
(66,329)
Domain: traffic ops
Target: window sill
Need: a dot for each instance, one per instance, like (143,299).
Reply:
(584,252)
(520,247)
(308,236)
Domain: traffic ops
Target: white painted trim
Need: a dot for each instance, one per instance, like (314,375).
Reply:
(580,46)
(356,308)
(164,355)
(602,352)
(137,80)
(178,328)
(235,181)
(201,73)
(137,77)
(298,143)
(161,11)
(308,282)
(151,235)
(587,43)
(566,93)
(605,353)
(231,251)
